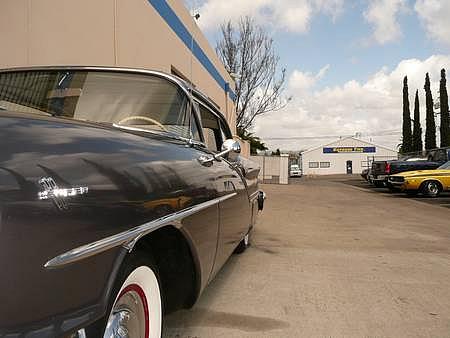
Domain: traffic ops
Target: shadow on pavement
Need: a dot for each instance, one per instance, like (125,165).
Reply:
(442,200)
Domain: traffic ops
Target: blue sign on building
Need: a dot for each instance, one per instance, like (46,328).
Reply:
(338,150)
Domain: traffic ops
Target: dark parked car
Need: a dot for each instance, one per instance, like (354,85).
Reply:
(122,194)
(381,170)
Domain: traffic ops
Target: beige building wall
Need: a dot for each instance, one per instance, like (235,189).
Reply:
(274,169)
(123,33)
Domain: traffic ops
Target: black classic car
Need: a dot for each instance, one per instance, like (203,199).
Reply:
(122,194)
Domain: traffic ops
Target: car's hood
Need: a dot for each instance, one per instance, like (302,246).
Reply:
(421,173)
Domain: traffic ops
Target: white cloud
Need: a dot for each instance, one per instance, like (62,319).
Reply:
(435,16)
(382,15)
(372,107)
(301,81)
(289,15)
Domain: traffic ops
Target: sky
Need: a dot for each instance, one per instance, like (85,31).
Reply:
(345,62)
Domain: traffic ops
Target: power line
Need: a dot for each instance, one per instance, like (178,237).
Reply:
(379,133)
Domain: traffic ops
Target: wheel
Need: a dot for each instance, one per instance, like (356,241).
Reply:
(431,188)
(243,244)
(136,310)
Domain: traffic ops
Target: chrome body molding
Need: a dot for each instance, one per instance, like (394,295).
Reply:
(129,238)
(256,194)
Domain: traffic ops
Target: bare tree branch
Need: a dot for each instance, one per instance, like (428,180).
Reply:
(248,54)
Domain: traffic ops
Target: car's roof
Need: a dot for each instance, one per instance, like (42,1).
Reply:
(185,85)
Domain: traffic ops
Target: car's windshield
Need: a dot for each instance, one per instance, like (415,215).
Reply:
(125,99)
(294,166)
(445,166)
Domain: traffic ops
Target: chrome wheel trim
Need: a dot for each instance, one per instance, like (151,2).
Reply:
(129,316)
(433,188)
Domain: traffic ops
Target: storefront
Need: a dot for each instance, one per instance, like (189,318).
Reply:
(344,156)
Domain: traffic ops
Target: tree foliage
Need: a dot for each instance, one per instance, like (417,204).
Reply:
(247,51)
(445,120)
(430,132)
(417,144)
(407,135)
(255,142)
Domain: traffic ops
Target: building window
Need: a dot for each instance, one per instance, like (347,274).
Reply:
(324,164)
(314,164)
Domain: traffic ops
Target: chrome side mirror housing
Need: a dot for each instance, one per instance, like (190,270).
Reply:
(231,150)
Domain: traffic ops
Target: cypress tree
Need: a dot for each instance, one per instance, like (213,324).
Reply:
(430,132)
(445,123)
(417,144)
(407,137)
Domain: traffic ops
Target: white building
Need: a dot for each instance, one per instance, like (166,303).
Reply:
(344,156)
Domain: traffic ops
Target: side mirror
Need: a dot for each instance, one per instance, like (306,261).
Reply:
(231,150)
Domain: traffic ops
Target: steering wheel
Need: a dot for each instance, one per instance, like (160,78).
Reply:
(145,118)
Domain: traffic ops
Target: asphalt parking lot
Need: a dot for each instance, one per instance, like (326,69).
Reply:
(443,200)
(332,258)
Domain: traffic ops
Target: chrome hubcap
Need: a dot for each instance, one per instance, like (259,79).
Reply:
(433,188)
(129,316)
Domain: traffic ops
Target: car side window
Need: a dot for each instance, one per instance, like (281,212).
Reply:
(211,129)
(441,156)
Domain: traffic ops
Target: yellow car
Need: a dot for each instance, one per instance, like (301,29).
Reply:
(429,182)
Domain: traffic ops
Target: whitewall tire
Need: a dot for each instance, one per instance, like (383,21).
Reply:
(136,311)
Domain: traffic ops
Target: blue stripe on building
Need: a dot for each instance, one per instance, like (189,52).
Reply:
(164,10)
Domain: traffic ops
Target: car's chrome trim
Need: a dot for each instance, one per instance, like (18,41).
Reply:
(129,238)
(254,196)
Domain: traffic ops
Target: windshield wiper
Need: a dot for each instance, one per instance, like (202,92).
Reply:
(156,132)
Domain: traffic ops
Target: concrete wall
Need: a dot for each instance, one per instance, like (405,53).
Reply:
(274,169)
(338,161)
(125,33)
